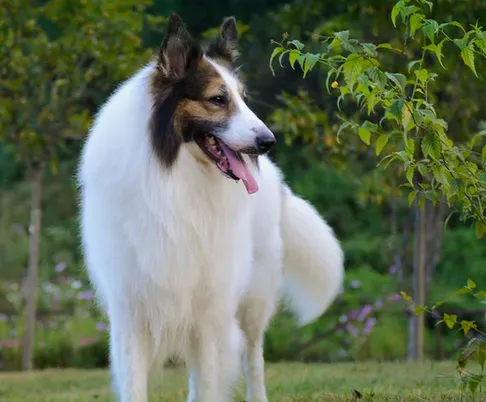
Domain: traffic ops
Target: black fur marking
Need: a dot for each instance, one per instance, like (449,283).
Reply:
(165,141)
(178,51)
(196,127)
(225,47)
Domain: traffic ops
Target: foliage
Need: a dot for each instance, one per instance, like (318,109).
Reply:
(402,120)
(475,350)
(53,58)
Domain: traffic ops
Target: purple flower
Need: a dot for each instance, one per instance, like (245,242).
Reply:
(379,303)
(85,295)
(395,297)
(369,324)
(352,329)
(364,312)
(353,315)
(61,267)
(341,290)
(101,326)
(393,270)
(355,284)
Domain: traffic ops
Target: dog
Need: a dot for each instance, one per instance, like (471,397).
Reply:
(190,235)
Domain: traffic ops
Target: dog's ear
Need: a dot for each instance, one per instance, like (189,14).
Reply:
(178,51)
(227,43)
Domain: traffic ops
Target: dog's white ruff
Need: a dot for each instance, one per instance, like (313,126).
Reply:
(182,259)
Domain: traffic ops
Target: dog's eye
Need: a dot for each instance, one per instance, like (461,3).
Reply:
(218,100)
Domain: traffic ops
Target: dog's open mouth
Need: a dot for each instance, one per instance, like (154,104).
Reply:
(228,161)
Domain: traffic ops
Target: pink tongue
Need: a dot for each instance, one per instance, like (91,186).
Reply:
(240,169)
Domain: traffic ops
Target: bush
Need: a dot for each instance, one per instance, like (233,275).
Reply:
(56,354)
(93,354)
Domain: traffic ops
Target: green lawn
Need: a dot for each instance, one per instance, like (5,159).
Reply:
(285,382)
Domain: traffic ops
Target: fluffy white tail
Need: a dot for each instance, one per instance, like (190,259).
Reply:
(313,259)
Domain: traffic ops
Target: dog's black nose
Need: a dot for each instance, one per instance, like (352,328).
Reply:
(265,142)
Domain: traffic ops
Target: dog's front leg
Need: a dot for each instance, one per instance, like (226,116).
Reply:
(214,360)
(129,359)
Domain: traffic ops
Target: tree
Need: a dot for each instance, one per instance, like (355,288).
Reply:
(403,117)
(56,56)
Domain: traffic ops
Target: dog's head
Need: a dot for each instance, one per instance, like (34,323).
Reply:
(200,102)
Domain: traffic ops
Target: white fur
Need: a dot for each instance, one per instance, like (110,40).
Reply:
(182,259)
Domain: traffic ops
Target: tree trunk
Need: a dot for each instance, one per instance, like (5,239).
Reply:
(435,234)
(417,323)
(32,279)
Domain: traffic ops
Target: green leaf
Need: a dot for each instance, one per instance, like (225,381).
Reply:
(343,126)
(412,63)
(437,50)
(398,79)
(418,310)
(409,174)
(293,56)
(467,55)
(275,53)
(430,28)
(439,303)
(466,326)
(462,43)
(310,61)
(450,320)
(405,296)
(481,357)
(463,291)
(429,3)
(396,10)
(483,154)
(406,115)
(411,197)
(352,68)
(397,107)
(416,23)
(471,284)
(370,49)
(377,76)
(458,186)
(422,75)
(365,135)
(440,174)
(431,146)
(298,45)
(480,229)
(380,143)
(387,46)
(454,23)
(410,147)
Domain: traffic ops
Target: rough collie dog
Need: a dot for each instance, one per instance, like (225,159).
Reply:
(190,235)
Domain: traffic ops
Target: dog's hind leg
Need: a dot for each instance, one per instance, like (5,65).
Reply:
(129,357)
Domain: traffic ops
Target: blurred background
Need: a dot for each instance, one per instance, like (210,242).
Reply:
(61,59)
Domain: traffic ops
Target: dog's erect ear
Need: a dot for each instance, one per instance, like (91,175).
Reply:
(227,43)
(178,51)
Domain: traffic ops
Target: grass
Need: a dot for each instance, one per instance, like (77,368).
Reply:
(285,382)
